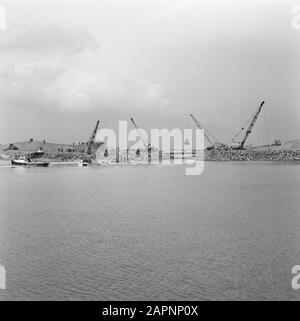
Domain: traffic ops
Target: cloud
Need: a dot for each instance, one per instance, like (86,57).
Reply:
(48,67)
(46,39)
(62,90)
(129,93)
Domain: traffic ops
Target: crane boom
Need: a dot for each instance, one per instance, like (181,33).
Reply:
(92,139)
(135,125)
(139,132)
(200,127)
(252,123)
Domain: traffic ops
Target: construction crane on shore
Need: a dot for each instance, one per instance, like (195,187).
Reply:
(146,145)
(251,122)
(92,139)
(214,143)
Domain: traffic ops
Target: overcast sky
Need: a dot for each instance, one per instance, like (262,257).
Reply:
(66,63)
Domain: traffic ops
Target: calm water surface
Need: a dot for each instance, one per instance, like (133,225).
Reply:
(150,233)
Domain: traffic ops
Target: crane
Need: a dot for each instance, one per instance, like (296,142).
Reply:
(147,146)
(214,143)
(92,139)
(252,121)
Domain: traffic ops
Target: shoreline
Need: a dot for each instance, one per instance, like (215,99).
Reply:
(72,159)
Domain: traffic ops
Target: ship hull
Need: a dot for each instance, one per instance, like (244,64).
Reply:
(21,163)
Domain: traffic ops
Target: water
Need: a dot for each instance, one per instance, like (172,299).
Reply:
(150,233)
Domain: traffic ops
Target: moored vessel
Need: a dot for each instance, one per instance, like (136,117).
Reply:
(83,163)
(24,161)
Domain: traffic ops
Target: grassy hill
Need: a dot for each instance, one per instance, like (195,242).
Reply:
(34,146)
(292,145)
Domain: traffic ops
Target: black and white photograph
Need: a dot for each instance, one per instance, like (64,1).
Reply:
(149,152)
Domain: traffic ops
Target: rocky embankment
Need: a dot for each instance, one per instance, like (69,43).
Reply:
(252,155)
(65,157)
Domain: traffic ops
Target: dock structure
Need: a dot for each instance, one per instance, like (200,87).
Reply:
(118,155)
(149,155)
(160,156)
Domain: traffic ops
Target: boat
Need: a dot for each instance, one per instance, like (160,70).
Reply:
(83,163)
(24,161)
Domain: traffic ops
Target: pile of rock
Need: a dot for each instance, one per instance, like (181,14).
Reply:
(250,155)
